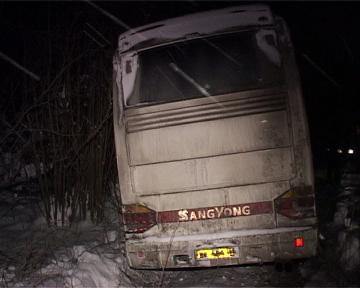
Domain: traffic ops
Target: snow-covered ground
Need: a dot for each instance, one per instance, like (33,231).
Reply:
(88,255)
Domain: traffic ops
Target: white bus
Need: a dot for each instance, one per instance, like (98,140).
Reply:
(212,143)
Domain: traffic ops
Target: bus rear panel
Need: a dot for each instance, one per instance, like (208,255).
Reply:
(212,142)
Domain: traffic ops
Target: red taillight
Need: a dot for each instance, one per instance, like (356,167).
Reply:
(296,203)
(138,218)
(299,242)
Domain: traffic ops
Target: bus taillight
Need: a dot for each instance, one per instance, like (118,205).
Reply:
(299,242)
(138,218)
(296,203)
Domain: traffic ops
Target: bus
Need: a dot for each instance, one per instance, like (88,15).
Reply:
(212,142)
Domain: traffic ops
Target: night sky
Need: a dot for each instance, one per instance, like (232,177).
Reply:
(324,32)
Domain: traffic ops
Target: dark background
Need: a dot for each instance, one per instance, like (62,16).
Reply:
(324,32)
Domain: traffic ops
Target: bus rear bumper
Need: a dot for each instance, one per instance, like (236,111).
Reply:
(250,246)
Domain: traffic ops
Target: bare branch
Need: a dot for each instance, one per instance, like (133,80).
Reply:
(36,105)
(95,133)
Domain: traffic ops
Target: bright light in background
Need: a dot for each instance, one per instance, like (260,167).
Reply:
(339,151)
(350,151)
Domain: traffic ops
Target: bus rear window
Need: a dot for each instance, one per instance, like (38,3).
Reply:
(204,67)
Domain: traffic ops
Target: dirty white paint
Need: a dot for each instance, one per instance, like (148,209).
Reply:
(215,137)
(129,67)
(200,23)
(269,50)
(215,197)
(213,172)
(225,235)
(249,146)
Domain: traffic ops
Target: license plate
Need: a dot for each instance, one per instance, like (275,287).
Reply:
(216,253)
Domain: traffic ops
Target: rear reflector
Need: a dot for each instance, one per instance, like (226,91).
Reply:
(299,242)
(297,203)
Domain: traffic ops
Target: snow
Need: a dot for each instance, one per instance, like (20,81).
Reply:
(82,268)
(349,250)
(347,221)
(196,24)
(35,255)
(341,213)
(89,255)
(339,260)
